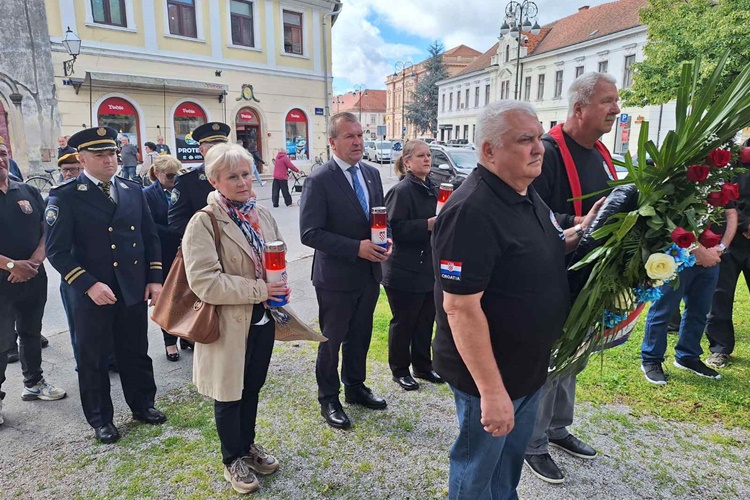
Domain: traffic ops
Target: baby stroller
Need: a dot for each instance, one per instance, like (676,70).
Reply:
(299,182)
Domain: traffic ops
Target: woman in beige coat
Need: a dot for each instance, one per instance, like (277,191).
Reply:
(233,369)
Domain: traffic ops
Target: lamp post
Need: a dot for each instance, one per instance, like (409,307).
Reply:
(515,12)
(338,101)
(401,66)
(73,45)
(359,90)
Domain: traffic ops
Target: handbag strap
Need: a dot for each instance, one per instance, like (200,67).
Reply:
(217,233)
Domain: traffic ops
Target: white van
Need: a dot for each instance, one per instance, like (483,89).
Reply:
(379,151)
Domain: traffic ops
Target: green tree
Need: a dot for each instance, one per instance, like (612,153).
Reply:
(422,110)
(681,30)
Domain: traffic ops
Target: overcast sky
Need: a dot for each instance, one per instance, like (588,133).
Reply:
(370,36)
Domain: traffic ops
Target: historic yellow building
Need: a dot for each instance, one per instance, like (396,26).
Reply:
(153,68)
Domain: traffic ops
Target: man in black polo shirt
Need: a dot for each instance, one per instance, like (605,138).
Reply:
(502,299)
(23,284)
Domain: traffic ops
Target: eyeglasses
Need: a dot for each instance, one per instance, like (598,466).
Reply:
(170,176)
(70,170)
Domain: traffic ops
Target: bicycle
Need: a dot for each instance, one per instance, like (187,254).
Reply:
(318,162)
(44,182)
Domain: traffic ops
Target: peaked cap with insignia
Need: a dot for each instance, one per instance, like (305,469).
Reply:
(68,159)
(94,139)
(211,132)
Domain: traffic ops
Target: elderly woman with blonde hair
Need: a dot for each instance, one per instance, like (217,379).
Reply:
(162,173)
(233,369)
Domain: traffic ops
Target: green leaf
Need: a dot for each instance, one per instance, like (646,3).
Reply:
(647,211)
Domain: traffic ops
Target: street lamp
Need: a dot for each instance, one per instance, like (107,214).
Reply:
(358,91)
(73,45)
(401,66)
(338,101)
(515,13)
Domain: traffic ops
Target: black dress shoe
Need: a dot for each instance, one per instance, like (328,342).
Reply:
(150,416)
(544,468)
(335,416)
(107,433)
(574,446)
(430,376)
(184,345)
(45,342)
(173,357)
(363,396)
(407,383)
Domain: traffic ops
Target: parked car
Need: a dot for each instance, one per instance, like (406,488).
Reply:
(451,164)
(458,142)
(380,151)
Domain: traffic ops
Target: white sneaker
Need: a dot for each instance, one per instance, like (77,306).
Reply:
(44,391)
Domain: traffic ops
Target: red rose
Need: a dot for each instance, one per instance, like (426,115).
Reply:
(697,173)
(732,190)
(682,238)
(717,198)
(745,156)
(719,158)
(709,239)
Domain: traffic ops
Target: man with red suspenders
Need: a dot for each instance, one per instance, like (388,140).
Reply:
(575,163)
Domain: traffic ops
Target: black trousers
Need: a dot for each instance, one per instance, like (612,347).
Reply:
(346,321)
(101,330)
(235,420)
(410,331)
(169,339)
(283,186)
(21,309)
(719,328)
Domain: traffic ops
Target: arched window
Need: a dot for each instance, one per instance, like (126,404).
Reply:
(295,127)
(187,117)
(122,116)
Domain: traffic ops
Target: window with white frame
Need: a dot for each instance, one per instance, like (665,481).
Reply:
(111,12)
(243,32)
(293,33)
(182,18)
(486,94)
(450,101)
(466,100)
(603,66)
(527,88)
(558,83)
(476,97)
(540,88)
(442,106)
(579,71)
(627,79)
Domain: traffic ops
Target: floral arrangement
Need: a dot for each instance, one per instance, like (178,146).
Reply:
(680,193)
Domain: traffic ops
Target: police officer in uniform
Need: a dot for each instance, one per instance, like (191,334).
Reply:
(103,242)
(192,187)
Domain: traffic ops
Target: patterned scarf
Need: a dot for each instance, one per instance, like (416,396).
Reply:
(246,218)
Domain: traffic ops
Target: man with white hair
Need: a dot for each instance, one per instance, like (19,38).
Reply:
(499,256)
(575,163)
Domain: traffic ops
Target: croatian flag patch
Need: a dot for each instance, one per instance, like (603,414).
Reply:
(450,270)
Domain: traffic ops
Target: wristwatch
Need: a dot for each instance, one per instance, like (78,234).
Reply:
(579,229)
(723,247)
(10,264)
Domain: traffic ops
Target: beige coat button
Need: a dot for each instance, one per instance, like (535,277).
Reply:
(239,319)
(234,259)
(114,247)
(115,264)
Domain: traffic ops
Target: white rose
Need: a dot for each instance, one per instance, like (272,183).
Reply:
(660,266)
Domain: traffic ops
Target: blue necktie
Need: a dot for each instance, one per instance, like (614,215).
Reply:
(358,188)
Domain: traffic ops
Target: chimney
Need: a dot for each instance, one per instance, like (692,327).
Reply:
(585,7)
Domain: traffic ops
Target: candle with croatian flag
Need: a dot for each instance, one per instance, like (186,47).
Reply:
(446,189)
(275,257)
(379,226)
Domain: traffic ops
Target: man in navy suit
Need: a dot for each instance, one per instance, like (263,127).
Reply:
(335,221)
(103,242)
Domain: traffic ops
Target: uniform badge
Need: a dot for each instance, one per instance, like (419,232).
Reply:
(202,177)
(101,132)
(557,225)
(175,196)
(50,215)
(25,206)
(215,126)
(450,270)
(83,187)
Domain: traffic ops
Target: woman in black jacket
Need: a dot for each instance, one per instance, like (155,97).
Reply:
(408,277)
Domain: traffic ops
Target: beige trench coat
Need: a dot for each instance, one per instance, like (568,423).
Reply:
(218,368)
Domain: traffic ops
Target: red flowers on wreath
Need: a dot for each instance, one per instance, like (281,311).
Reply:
(732,190)
(682,238)
(697,173)
(717,198)
(745,155)
(719,158)
(709,239)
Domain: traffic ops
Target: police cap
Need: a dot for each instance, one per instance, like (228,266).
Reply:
(211,132)
(94,139)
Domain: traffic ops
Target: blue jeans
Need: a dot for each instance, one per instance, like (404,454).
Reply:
(697,286)
(486,467)
(128,173)
(257,175)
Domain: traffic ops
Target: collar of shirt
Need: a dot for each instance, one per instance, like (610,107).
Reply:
(112,190)
(12,184)
(501,189)
(342,164)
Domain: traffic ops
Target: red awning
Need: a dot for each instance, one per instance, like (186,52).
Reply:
(190,110)
(116,106)
(296,115)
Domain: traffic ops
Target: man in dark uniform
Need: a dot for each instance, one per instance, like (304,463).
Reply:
(23,284)
(103,242)
(192,186)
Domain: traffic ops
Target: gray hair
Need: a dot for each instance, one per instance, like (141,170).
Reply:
(582,88)
(227,157)
(333,125)
(492,123)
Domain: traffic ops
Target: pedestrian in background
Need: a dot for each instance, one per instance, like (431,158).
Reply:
(162,148)
(162,174)
(408,277)
(233,369)
(282,164)
(148,160)
(129,156)
(258,164)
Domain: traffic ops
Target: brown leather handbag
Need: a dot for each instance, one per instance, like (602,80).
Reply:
(179,311)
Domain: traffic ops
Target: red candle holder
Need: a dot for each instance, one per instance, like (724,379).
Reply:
(446,189)
(275,264)
(379,226)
